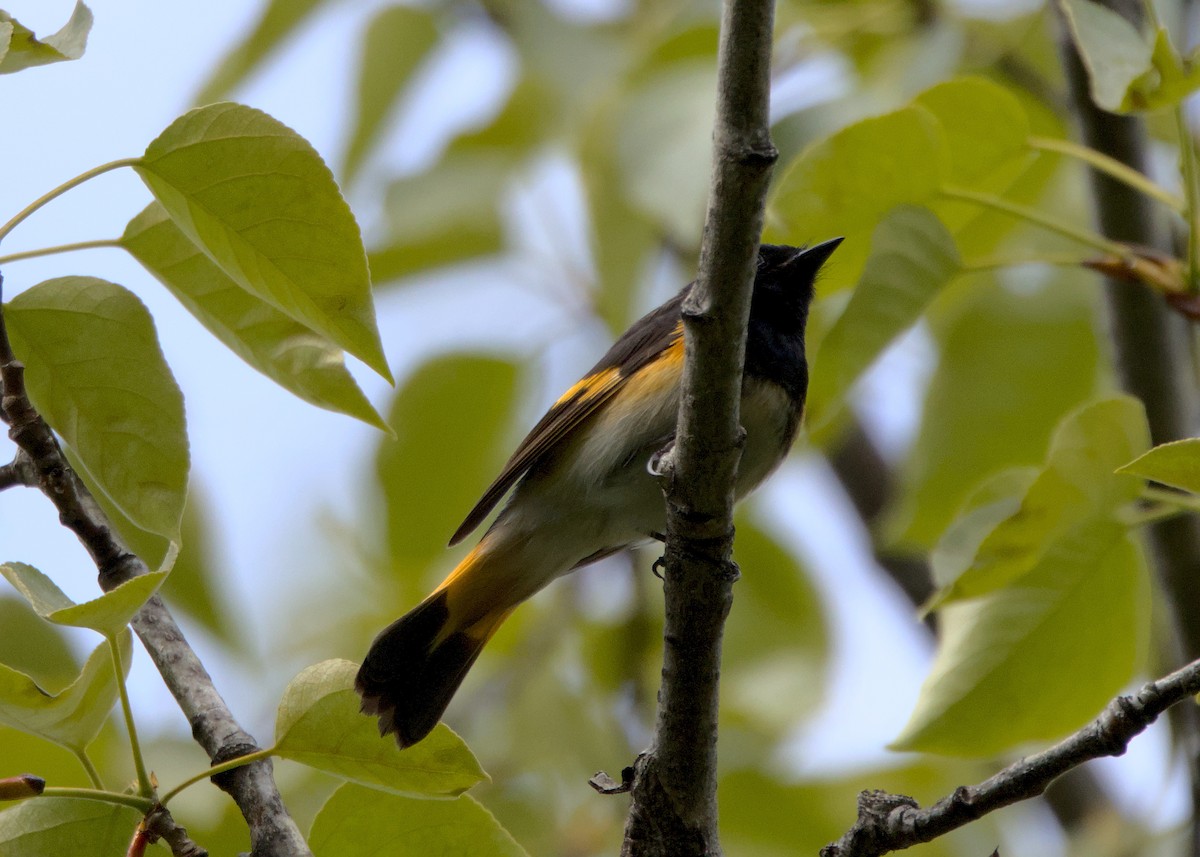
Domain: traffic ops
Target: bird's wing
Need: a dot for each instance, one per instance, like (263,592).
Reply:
(653,336)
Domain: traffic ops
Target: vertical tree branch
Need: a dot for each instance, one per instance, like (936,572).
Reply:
(674,808)
(1153,361)
(272,831)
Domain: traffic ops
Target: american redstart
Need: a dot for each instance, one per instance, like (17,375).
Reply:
(583,488)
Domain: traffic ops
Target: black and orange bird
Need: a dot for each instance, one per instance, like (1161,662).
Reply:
(582,487)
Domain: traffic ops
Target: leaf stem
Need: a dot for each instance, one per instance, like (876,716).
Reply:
(145,787)
(209,773)
(144,804)
(1061,260)
(93,774)
(1172,498)
(1032,215)
(1187,157)
(1111,167)
(59,248)
(63,188)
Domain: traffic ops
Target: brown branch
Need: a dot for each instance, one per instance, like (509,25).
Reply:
(18,472)
(1152,349)
(673,809)
(888,822)
(252,787)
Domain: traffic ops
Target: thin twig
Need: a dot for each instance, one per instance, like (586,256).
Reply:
(888,822)
(18,472)
(273,833)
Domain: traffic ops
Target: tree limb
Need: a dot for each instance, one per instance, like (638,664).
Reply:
(888,822)
(273,833)
(673,810)
(1153,361)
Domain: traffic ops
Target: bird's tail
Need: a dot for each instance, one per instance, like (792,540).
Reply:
(417,663)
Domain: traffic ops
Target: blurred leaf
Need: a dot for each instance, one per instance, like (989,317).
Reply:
(763,817)
(33,646)
(776,639)
(984,124)
(664,147)
(258,199)
(1010,366)
(450,420)
(286,351)
(1176,464)
(912,258)
(1077,485)
(996,499)
(73,717)
(1039,657)
(1112,49)
(397,39)
(279,20)
(844,184)
(319,724)
(37,828)
(443,215)
(1170,79)
(524,123)
(95,371)
(358,822)
(108,614)
(21,49)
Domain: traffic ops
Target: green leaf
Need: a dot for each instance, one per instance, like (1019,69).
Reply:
(1010,366)
(357,822)
(72,717)
(444,215)
(1170,80)
(286,351)
(985,126)
(37,828)
(1077,485)
(258,199)
(1176,464)
(664,146)
(397,39)
(95,371)
(319,724)
(912,258)
(279,20)
(1112,49)
(22,49)
(845,183)
(32,645)
(451,419)
(108,614)
(1038,658)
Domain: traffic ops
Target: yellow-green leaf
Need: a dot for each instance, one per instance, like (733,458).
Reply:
(397,39)
(73,716)
(21,49)
(95,371)
(984,124)
(455,409)
(319,723)
(37,828)
(258,199)
(286,351)
(1176,464)
(360,822)
(280,18)
(845,183)
(1077,485)
(912,258)
(1113,51)
(1039,657)
(108,614)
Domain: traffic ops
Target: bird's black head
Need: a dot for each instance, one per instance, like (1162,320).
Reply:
(783,290)
(783,284)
